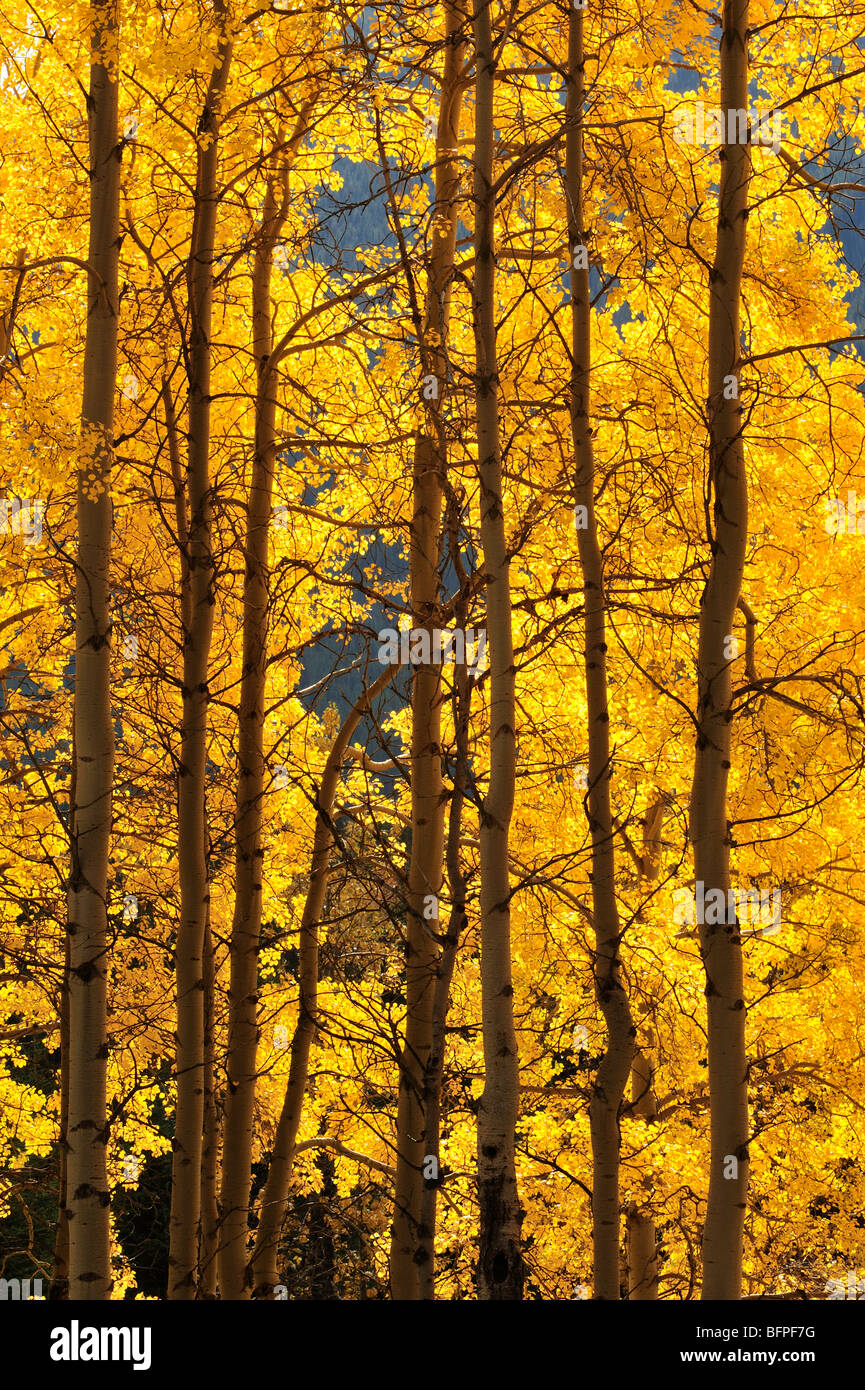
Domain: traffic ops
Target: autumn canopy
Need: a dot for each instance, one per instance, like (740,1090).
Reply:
(432,746)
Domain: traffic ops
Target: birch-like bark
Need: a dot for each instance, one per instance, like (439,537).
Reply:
(209,1223)
(614,1069)
(458,888)
(500,1262)
(720,943)
(263,1266)
(641,1235)
(194,889)
(424,880)
(410,1242)
(642,1242)
(642,1256)
(87,1193)
(249,849)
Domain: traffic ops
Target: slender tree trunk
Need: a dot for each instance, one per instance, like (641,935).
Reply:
(642,1239)
(641,1234)
(7,317)
(209,1228)
(612,1076)
(410,1241)
(93,738)
(275,1198)
(424,881)
(249,850)
(500,1263)
(642,1256)
(209,1239)
(447,958)
(60,1268)
(194,889)
(720,943)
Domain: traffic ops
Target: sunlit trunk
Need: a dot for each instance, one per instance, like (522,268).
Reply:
(720,943)
(500,1263)
(194,887)
(87,1197)
(411,1240)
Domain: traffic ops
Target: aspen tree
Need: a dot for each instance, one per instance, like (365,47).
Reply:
(189,1121)
(458,890)
(86,1182)
(720,943)
(612,1075)
(409,1237)
(263,1268)
(640,1225)
(500,1263)
(425,875)
(347,416)
(208,1243)
(208,1233)
(60,1264)
(249,851)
